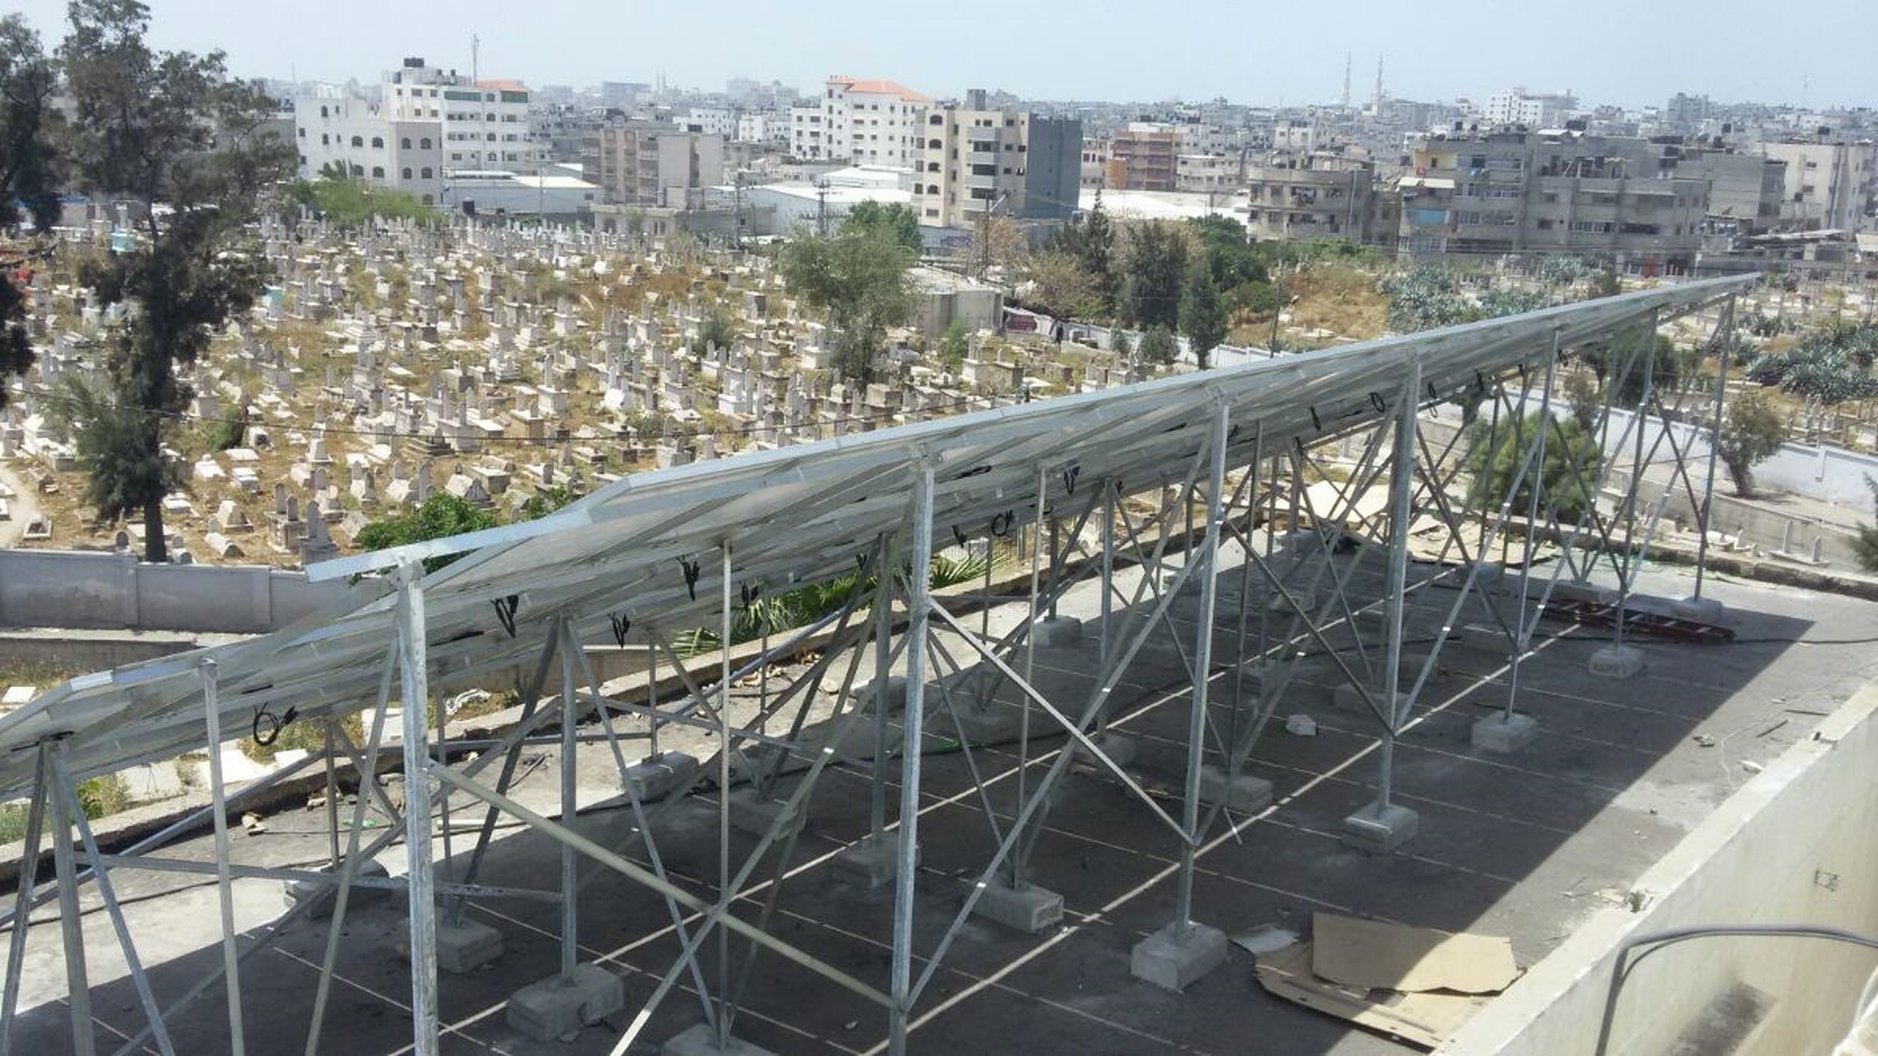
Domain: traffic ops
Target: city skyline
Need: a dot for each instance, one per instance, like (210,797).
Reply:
(1055,50)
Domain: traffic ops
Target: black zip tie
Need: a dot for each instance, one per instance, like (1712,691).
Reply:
(621,627)
(505,611)
(691,576)
(958,536)
(1069,478)
(1376,400)
(974,471)
(1001,523)
(1316,423)
(749,592)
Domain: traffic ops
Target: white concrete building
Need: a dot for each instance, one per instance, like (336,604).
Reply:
(871,122)
(710,120)
(1534,110)
(763,128)
(420,123)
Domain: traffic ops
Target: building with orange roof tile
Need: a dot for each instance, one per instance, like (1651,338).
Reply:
(863,122)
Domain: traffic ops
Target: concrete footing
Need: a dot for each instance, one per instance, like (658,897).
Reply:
(323,896)
(1500,732)
(1371,829)
(562,1004)
(1177,955)
(754,814)
(1244,793)
(1616,661)
(1053,632)
(875,861)
(1028,909)
(466,945)
(1707,610)
(701,1040)
(1485,638)
(658,776)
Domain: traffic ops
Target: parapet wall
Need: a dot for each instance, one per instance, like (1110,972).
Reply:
(84,589)
(1797,845)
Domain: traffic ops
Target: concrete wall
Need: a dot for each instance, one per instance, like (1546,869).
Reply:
(64,588)
(1794,846)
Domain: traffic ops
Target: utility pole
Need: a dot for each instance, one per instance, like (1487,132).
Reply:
(821,207)
(736,212)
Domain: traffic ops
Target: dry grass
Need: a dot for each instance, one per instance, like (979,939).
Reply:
(1340,299)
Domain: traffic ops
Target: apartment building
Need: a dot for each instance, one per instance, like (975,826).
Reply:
(711,120)
(975,160)
(654,164)
(419,124)
(1518,192)
(485,123)
(864,122)
(1830,185)
(1535,110)
(1300,197)
(1144,157)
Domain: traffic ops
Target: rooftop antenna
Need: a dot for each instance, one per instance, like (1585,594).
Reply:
(1378,99)
(1346,80)
(476,47)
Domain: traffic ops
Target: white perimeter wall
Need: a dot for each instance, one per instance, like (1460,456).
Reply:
(1798,844)
(69,588)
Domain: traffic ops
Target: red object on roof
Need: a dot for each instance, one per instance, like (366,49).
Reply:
(877,86)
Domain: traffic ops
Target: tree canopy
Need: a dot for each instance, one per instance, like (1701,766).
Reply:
(29,164)
(895,220)
(1202,314)
(1155,271)
(859,278)
(1830,367)
(171,130)
(349,202)
(1752,433)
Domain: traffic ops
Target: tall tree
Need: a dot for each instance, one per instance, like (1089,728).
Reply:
(1062,286)
(170,129)
(28,166)
(1155,270)
(896,221)
(1202,314)
(859,278)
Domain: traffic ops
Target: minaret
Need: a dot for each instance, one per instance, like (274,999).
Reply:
(1377,102)
(1346,80)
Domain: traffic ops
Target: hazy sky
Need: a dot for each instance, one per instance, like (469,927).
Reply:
(1254,51)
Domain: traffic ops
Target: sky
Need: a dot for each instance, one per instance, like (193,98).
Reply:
(1250,51)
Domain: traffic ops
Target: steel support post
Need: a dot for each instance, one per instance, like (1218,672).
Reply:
(1627,576)
(224,883)
(1727,328)
(570,771)
(883,668)
(1536,466)
(918,585)
(29,870)
(71,923)
(413,667)
(1202,662)
(68,789)
(1401,489)
(724,777)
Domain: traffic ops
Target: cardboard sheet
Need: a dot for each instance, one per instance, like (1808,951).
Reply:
(1423,1020)
(1373,955)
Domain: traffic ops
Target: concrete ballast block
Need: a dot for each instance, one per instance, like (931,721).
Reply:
(324,896)
(1244,793)
(1178,955)
(876,861)
(701,1040)
(1706,610)
(864,694)
(659,776)
(752,814)
(1028,909)
(562,1004)
(1053,632)
(1384,829)
(466,945)
(1616,661)
(1501,732)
